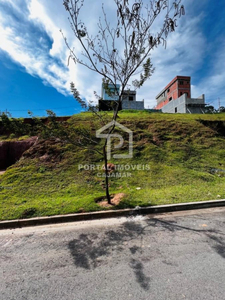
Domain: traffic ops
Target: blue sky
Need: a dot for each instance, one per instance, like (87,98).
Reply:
(34,71)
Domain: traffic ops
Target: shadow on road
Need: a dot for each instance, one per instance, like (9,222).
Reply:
(138,269)
(215,238)
(89,250)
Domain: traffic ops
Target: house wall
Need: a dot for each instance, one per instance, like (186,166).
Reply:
(199,100)
(127,94)
(179,104)
(184,105)
(162,103)
(107,101)
(196,105)
(185,87)
(126,104)
(176,88)
(112,88)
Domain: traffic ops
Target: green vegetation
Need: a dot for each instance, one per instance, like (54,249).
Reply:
(185,154)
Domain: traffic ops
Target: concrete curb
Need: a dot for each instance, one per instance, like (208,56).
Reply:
(110,214)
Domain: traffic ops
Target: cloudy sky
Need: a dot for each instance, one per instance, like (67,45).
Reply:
(34,71)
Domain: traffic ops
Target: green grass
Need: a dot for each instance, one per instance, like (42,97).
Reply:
(185,153)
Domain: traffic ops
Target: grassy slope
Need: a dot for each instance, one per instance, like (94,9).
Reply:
(182,151)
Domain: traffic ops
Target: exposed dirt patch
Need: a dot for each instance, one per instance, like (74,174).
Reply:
(115,200)
(156,140)
(12,151)
(216,126)
(47,151)
(2,172)
(28,213)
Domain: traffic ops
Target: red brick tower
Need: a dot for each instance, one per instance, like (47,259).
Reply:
(176,88)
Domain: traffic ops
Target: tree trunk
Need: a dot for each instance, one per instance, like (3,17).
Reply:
(106,175)
(115,114)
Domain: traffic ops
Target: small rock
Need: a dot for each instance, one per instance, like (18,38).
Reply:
(137,207)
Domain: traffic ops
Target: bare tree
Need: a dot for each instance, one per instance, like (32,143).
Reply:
(121,51)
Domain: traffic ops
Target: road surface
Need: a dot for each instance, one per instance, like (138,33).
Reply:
(169,256)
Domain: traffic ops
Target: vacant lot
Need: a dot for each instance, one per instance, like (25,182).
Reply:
(184,155)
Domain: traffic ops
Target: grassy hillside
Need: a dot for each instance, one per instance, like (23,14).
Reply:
(185,155)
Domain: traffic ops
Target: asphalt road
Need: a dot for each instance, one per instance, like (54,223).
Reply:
(170,256)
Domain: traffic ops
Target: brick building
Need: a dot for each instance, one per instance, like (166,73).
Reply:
(176,97)
(177,87)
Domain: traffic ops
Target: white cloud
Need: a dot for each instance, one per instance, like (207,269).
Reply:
(38,14)
(36,43)
(27,47)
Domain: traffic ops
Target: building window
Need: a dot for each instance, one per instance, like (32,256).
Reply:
(181,93)
(131,98)
(175,109)
(181,82)
(168,90)
(170,98)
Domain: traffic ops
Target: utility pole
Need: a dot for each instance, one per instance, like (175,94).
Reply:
(219,103)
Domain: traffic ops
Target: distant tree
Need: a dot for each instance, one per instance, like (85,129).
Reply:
(209,109)
(13,126)
(121,51)
(221,109)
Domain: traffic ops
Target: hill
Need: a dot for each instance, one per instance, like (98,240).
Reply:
(176,158)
